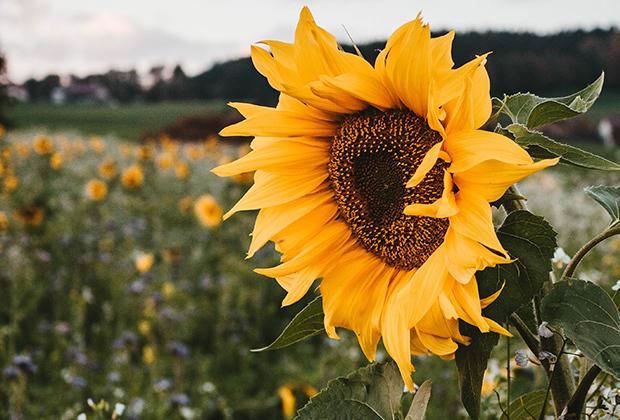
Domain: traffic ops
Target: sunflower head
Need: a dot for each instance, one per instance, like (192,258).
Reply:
(43,145)
(133,177)
(377,178)
(208,211)
(56,160)
(96,190)
(107,169)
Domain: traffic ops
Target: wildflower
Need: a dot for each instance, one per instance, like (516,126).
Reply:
(144,262)
(165,161)
(43,145)
(288,401)
(145,152)
(391,208)
(4,221)
(616,286)
(544,331)
(560,258)
(56,161)
(22,149)
(97,144)
(107,169)
(119,409)
(31,215)
(96,190)
(148,355)
(133,177)
(208,211)
(185,204)
(181,170)
(10,183)
(179,399)
(168,289)
(521,358)
(144,327)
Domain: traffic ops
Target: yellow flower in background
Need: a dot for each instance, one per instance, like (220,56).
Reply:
(208,211)
(168,289)
(391,209)
(56,161)
(6,153)
(4,221)
(181,170)
(2,168)
(10,183)
(165,161)
(185,204)
(126,150)
(148,355)
(97,144)
(31,215)
(244,178)
(145,152)
(133,177)
(107,169)
(2,131)
(309,390)
(193,152)
(144,262)
(96,190)
(43,145)
(22,149)
(288,401)
(144,327)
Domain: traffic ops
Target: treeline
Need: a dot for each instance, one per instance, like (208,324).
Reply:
(546,64)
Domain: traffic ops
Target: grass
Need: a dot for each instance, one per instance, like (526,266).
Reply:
(128,122)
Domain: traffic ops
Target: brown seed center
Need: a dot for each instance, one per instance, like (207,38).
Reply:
(372,157)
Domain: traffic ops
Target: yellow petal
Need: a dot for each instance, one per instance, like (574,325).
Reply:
(328,242)
(475,220)
(469,299)
(284,157)
(492,178)
(427,164)
(438,345)
(271,190)
(408,65)
(442,207)
(273,220)
(490,299)
(470,148)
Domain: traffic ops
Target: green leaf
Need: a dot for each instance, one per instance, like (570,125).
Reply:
(527,406)
(307,323)
(373,392)
(609,198)
(542,147)
(531,241)
(533,111)
(420,401)
(589,318)
(471,362)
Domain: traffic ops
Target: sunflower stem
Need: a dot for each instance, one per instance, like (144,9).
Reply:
(574,262)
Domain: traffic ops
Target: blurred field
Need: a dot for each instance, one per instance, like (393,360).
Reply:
(131,121)
(128,297)
(128,122)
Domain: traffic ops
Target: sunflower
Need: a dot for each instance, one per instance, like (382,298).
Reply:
(377,179)
(56,160)
(96,190)
(133,177)
(43,145)
(107,169)
(208,211)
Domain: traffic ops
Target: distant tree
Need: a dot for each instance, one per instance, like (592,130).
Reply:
(4,99)
(41,90)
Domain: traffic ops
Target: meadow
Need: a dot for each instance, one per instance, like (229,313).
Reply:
(121,284)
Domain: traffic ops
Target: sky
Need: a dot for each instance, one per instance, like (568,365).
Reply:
(87,36)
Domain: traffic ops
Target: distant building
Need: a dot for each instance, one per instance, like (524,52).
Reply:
(17,92)
(81,93)
(609,131)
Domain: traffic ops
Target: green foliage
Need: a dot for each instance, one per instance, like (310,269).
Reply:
(589,318)
(420,401)
(530,240)
(533,111)
(471,362)
(527,406)
(371,392)
(542,147)
(307,323)
(609,198)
